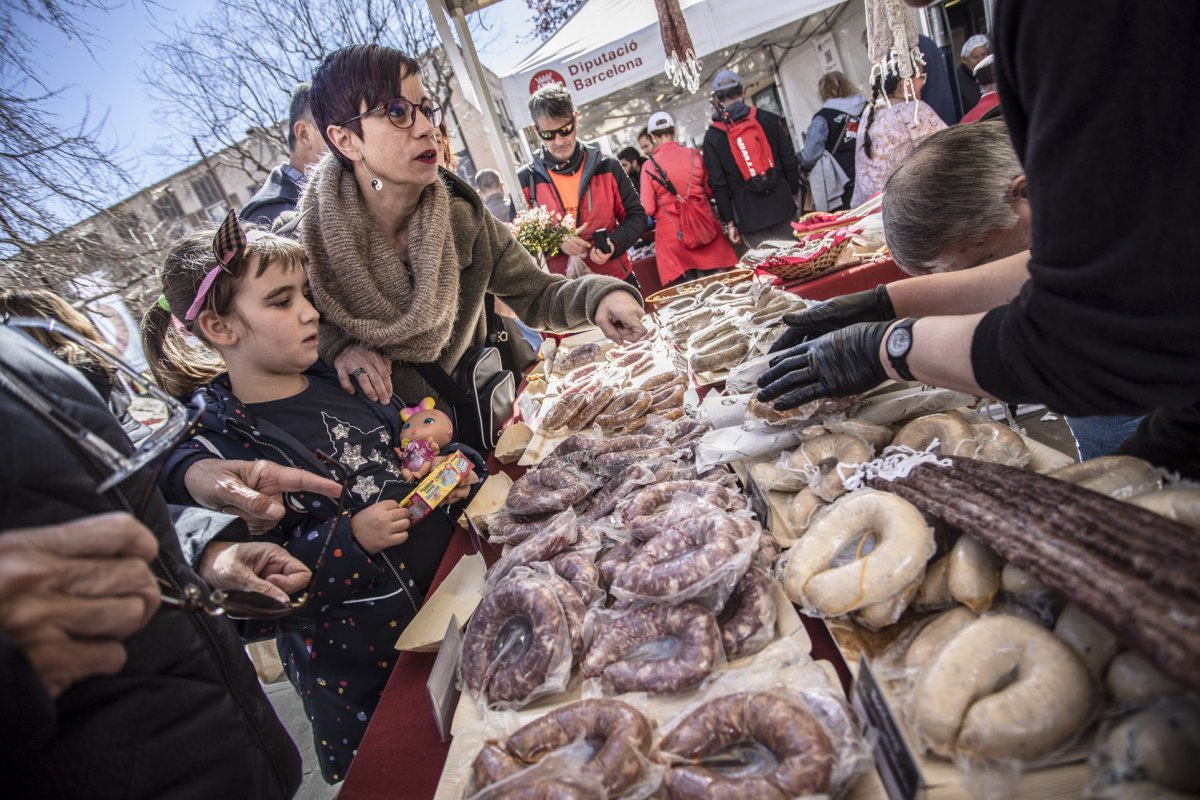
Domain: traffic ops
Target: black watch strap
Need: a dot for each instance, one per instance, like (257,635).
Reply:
(898,344)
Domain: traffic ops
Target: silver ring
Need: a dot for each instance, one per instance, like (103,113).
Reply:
(358,373)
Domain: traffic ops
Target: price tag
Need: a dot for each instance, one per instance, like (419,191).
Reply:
(893,759)
(443,679)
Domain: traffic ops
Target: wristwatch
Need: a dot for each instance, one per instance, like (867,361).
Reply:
(899,343)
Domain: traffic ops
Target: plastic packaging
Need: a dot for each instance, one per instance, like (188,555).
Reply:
(747,620)
(899,402)
(517,645)
(557,533)
(827,460)
(549,490)
(1121,477)
(1152,750)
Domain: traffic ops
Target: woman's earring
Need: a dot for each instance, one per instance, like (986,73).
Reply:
(376,184)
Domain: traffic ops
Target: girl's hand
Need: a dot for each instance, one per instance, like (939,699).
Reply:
(375,377)
(465,483)
(380,526)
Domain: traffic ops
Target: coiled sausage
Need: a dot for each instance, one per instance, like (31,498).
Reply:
(657,649)
(748,619)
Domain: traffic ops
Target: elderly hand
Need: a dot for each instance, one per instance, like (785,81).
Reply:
(375,377)
(262,567)
(576,245)
(872,305)
(619,316)
(838,364)
(251,489)
(71,593)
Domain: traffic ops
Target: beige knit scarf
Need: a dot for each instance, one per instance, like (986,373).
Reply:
(359,282)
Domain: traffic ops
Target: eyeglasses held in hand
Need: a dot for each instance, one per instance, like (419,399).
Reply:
(402,113)
(564,132)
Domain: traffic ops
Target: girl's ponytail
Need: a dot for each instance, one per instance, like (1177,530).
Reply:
(179,366)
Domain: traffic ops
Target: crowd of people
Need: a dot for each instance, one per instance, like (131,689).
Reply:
(301,352)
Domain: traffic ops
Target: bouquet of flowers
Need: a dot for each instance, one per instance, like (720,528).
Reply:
(542,231)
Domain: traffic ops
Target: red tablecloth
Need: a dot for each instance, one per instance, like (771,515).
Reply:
(851,279)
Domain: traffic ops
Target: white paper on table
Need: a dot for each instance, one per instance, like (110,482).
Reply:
(455,598)
(724,411)
(744,377)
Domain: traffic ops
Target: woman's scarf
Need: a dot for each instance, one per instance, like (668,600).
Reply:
(359,282)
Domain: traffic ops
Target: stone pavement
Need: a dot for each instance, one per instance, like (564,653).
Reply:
(291,713)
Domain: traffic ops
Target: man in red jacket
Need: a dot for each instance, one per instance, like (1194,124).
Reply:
(570,177)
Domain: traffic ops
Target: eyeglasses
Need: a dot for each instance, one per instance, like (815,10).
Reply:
(564,132)
(403,113)
(119,466)
(112,468)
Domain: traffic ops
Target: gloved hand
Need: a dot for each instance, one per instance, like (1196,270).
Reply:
(872,305)
(838,364)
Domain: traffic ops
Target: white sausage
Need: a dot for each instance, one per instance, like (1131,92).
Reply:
(1015,580)
(967,701)
(1000,444)
(827,453)
(1091,641)
(1132,679)
(973,576)
(1115,476)
(1181,505)
(950,428)
(1158,745)
(929,641)
(935,589)
(801,508)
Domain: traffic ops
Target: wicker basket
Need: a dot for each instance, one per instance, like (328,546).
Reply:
(691,287)
(826,262)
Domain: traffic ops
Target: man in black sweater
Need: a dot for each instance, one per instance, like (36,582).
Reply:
(759,206)
(1101,316)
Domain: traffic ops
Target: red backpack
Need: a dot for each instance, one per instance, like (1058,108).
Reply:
(751,151)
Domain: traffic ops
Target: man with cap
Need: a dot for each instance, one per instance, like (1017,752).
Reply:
(570,177)
(752,166)
(973,51)
(672,177)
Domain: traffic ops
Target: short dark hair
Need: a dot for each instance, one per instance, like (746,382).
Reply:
(644,133)
(351,76)
(630,154)
(301,109)
(487,179)
(735,91)
(553,101)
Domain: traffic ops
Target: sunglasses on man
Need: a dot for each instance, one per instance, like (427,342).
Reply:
(564,132)
(112,468)
(402,113)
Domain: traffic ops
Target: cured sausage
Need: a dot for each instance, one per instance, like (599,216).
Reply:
(748,619)
(612,562)
(1001,688)
(1181,505)
(617,489)
(827,455)
(903,543)
(677,558)
(657,649)
(665,379)
(798,758)
(597,402)
(950,428)
(624,409)
(581,573)
(504,528)
(554,536)
(514,640)
(577,357)
(618,734)
(559,417)
(1131,679)
(545,491)
(649,500)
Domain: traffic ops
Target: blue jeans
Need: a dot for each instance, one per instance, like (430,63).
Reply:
(1099,436)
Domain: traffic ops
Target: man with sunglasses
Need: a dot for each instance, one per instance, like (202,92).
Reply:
(104,694)
(570,177)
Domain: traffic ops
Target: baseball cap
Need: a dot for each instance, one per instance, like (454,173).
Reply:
(660,121)
(726,79)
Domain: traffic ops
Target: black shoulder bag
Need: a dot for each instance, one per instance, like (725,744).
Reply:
(482,391)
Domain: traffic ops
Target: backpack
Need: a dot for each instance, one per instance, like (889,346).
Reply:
(751,152)
(697,225)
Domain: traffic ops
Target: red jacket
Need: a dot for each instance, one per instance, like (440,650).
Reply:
(607,200)
(686,172)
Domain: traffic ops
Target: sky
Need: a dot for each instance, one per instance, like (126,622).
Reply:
(108,79)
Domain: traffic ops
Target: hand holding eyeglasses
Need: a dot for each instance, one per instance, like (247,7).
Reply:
(71,593)
(251,489)
(262,567)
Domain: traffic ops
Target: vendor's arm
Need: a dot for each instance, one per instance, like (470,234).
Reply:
(967,291)
(551,302)
(814,142)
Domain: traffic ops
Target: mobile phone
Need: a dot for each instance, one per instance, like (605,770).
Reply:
(600,241)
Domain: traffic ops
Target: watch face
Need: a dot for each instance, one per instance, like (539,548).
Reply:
(899,342)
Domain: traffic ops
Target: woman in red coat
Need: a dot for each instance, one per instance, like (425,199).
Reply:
(684,170)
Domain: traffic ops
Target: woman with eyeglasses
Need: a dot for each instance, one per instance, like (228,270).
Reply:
(401,253)
(570,177)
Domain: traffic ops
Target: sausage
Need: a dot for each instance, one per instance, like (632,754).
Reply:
(626,407)
(800,510)
(728,354)
(801,756)
(1000,444)
(748,619)
(649,500)
(514,640)
(967,701)
(1181,505)
(574,443)
(951,430)
(935,634)
(1157,745)
(577,357)
(935,588)
(1131,679)
(545,491)
(573,607)
(617,489)
(618,733)
(1015,580)
(658,649)
(663,380)
(666,397)
(877,616)
(973,575)
(581,573)
(560,415)
(878,436)
(1116,476)
(612,562)
(677,558)
(903,545)
(828,455)
(1092,642)
(504,528)
(766,412)
(768,550)
(554,536)
(615,463)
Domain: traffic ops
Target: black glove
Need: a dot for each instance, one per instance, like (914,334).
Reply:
(838,364)
(872,305)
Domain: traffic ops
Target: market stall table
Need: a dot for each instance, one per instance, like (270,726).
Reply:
(847,280)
